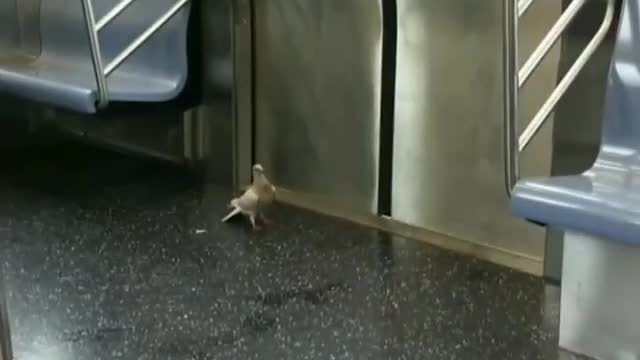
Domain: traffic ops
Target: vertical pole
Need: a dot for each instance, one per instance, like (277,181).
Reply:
(96,55)
(510,114)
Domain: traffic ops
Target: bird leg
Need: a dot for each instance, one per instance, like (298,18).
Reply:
(255,226)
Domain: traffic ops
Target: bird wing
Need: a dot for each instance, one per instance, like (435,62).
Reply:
(248,202)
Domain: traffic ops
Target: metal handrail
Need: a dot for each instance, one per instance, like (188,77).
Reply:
(101,72)
(113,13)
(514,79)
(523,6)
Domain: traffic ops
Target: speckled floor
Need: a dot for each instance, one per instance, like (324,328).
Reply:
(109,257)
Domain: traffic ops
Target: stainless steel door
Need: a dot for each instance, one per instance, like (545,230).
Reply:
(318,97)
(447,163)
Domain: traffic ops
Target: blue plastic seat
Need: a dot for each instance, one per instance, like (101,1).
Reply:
(62,75)
(605,200)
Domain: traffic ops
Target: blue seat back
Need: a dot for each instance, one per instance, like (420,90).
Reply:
(605,200)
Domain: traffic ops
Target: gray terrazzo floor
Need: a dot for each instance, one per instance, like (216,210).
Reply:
(114,257)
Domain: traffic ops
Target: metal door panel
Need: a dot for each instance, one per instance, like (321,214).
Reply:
(318,97)
(447,163)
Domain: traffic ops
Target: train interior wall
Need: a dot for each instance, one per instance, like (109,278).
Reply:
(300,87)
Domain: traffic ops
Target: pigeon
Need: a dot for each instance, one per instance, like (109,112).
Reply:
(255,199)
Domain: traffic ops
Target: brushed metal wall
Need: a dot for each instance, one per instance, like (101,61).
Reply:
(19,28)
(208,129)
(317,97)
(9,34)
(447,161)
(599,316)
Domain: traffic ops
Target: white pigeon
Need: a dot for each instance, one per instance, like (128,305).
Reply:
(255,200)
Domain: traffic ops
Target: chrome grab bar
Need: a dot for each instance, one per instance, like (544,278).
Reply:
(514,79)
(113,13)
(101,72)
(523,6)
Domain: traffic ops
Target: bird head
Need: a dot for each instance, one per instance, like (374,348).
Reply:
(258,169)
(258,173)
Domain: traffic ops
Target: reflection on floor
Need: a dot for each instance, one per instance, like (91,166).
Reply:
(109,257)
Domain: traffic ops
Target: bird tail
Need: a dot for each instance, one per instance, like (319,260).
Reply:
(231,214)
